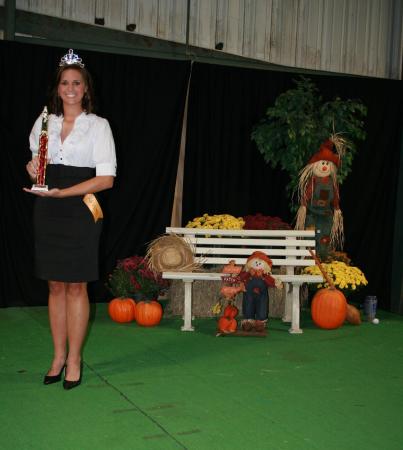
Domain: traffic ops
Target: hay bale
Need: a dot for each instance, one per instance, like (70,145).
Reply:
(207,293)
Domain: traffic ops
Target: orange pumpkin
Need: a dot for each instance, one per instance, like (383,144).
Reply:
(226,324)
(329,308)
(148,313)
(122,309)
(230,311)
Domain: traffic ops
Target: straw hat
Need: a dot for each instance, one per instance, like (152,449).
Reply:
(171,253)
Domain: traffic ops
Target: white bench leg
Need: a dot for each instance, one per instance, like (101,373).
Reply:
(187,310)
(287,317)
(295,329)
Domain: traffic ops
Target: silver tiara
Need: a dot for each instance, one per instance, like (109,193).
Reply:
(71,58)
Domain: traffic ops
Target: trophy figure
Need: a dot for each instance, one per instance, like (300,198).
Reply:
(42,154)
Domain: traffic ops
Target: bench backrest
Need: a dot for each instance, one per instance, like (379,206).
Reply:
(284,247)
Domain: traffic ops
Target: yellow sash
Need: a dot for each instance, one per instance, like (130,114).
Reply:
(92,204)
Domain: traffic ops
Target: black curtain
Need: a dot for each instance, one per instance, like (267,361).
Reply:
(143,99)
(225,173)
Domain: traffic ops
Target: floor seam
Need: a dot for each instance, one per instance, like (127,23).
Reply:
(140,410)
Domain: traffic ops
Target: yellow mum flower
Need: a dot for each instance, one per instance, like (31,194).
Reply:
(343,276)
(217,221)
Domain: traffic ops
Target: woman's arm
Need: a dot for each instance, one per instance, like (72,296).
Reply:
(96,184)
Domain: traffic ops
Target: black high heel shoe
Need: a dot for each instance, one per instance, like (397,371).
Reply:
(50,379)
(67,384)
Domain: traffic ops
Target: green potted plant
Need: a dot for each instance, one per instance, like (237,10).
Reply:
(297,124)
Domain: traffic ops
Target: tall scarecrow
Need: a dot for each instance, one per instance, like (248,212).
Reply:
(318,196)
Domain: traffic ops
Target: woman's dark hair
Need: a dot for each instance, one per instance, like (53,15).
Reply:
(87,103)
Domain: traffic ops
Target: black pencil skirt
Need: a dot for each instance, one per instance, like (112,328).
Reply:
(66,235)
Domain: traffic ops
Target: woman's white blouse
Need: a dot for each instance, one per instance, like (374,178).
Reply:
(89,144)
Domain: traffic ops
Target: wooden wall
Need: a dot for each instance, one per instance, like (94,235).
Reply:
(362,37)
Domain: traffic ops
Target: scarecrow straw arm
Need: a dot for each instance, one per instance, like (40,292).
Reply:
(324,273)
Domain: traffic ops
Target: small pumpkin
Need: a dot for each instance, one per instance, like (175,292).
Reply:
(148,313)
(329,308)
(353,315)
(230,311)
(227,325)
(122,310)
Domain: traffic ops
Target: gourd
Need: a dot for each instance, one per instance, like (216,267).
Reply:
(122,309)
(148,313)
(353,315)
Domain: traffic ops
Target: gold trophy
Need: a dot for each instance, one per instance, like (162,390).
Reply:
(42,154)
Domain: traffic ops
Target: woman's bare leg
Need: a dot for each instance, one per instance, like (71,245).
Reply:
(58,324)
(78,309)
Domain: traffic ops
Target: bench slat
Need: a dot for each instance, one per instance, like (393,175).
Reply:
(206,251)
(213,232)
(212,276)
(276,262)
(253,242)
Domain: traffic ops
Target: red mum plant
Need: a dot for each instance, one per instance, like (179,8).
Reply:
(261,222)
(133,278)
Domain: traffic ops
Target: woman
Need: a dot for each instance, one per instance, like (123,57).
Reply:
(81,160)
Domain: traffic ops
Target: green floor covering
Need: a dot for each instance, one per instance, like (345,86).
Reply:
(160,388)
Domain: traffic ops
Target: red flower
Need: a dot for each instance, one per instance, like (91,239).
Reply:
(261,222)
(132,277)
(134,282)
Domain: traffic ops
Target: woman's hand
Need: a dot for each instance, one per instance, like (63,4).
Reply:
(32,168)
(53,193)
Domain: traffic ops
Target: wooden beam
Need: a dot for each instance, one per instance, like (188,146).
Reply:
(53,31)
(9,20)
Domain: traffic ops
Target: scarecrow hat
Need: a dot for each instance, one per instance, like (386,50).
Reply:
(171,253)
(326,153)
(262,256)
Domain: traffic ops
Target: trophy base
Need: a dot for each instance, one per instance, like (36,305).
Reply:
(39,187)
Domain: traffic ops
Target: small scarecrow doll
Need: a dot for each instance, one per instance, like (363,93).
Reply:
(318,194)
(256,278)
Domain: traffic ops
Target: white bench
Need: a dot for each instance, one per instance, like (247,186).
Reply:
(286,248)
